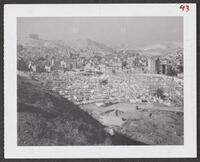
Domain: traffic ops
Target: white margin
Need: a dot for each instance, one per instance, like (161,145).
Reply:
(11,12)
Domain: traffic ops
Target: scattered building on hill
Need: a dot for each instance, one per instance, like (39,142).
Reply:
(164,67)
(153,65)
(63,64)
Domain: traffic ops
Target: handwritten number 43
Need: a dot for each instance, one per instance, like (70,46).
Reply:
(185,8)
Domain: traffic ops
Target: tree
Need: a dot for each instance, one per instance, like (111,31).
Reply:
(22,65)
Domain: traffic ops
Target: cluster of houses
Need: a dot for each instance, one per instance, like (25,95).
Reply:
(40,59)
(153,65)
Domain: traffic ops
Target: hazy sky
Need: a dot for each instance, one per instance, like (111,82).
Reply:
(113,31)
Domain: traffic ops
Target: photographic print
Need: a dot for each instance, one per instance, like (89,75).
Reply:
(100,81)
(82,80)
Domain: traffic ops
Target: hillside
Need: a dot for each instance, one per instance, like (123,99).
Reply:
(162,49)
(89,44)
(74,46)
(45,118)
(33,42)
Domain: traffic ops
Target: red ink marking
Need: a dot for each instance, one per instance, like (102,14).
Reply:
(185,8)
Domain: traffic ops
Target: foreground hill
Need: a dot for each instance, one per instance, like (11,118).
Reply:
(45,118)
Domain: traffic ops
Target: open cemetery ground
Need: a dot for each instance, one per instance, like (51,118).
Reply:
(147,108)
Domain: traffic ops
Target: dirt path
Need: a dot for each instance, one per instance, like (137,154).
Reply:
(130,106)
(145,123)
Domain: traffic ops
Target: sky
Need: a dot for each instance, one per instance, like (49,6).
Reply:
(112,31)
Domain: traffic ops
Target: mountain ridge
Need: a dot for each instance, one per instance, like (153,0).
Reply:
(91,47)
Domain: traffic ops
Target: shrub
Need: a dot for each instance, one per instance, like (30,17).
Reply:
(104,82)
(113,71)
(160,93)
(157,92)
(21,65)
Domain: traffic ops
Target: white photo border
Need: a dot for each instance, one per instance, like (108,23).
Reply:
(12,11)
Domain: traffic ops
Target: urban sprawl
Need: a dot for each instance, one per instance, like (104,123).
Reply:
(101,75)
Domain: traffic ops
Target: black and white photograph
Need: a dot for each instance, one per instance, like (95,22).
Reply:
(100,81)
(82,81)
